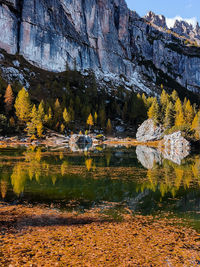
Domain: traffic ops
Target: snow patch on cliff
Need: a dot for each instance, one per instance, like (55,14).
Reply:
(171,21)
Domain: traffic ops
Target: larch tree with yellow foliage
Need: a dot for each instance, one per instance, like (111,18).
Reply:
(179,117)
(189,112)
(169,115)
(32,125)
(66,116)
(196,126)
(90,121)
(23,105)
(8,99)
(164,98)
(174,96)
(153,112)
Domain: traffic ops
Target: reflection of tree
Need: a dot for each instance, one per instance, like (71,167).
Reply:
(178,177)
(18,178)
(108,157)
(88,164)
(64,167)
(170,177)
(4,187)
(196,168)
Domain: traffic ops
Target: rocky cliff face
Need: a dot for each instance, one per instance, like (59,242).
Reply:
(102,35)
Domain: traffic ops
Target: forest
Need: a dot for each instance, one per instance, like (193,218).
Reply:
(73,106)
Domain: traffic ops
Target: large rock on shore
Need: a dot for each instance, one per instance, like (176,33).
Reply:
(148,131)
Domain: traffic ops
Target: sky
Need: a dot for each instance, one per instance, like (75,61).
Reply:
(187,9)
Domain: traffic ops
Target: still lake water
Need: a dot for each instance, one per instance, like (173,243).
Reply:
(112,179)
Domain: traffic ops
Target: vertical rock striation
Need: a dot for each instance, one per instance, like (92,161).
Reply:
(102,35)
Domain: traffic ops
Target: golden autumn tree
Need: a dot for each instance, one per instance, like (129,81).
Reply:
(189,112)
(164,98)
(66,116)
(174,96)
(169,115)
(23,105)
(179,117)
(8,99)
(196,125)
(35,125)
(90,121)
(32,125)
(153,112)
(41,113)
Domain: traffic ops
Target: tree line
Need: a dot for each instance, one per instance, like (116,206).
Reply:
(20,113)
(174,114)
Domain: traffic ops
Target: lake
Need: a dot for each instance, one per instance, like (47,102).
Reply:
(114,180)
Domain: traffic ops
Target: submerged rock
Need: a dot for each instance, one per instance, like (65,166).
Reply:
(148,131)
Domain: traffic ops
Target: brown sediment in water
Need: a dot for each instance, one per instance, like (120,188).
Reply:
(39,236)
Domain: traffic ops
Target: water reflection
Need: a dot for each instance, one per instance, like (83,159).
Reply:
(148,156)
(111,175)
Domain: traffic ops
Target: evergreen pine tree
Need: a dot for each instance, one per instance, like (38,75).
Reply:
(125,111)
(23,105)
(57,111)
(8,99)
(102,117)
(71,112)
(109,127)
(95,117)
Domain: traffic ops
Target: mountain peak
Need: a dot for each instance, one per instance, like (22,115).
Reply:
(158,20)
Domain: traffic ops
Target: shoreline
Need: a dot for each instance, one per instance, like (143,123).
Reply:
(110,141)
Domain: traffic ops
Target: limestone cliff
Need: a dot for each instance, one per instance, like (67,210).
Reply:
(102,35)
